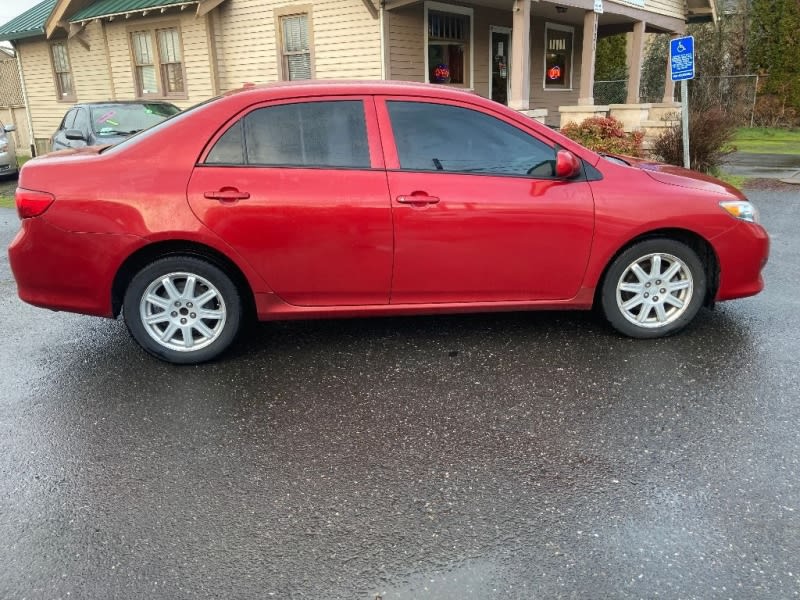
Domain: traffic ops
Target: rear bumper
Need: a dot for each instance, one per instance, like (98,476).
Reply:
(743,252)
(63,270)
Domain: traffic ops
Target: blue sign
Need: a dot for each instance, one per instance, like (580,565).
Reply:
(681,58)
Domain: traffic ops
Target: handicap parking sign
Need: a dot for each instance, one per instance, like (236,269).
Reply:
(681,58)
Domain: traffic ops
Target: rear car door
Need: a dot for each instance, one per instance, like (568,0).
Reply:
(479,215)
(298,188)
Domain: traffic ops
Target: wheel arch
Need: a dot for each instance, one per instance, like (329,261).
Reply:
(152,252)
(705,251)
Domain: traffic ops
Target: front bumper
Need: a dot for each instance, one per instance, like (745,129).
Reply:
(742,252)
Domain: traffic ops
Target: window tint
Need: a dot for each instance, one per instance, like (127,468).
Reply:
(229,149)
(81,121)
(69,120)
(437,137)
(309,134)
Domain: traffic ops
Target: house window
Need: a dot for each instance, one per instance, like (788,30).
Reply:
(158,62)
(62,71)
(558,57)
(449,37)
(295,47)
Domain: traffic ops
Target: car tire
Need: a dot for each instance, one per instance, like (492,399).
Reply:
(654,288)
(183,309)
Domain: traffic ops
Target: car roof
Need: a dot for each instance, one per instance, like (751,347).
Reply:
(317,87)
(118,102)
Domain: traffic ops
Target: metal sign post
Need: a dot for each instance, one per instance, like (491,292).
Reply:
(681,60)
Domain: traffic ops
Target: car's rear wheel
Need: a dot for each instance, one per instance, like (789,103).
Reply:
(654,288)
(183,309)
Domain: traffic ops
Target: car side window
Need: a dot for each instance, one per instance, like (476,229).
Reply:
(69,119)
(81,121)
(229,149)
(440,137)
(330,134)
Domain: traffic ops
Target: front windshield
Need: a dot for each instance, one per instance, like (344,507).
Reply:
(127,119)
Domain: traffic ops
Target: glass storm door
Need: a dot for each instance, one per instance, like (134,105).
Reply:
(500,61)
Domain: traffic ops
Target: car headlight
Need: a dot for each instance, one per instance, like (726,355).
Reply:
(741,209)
(3,146)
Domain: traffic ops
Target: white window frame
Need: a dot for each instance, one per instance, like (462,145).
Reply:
(568,29)
(456,10)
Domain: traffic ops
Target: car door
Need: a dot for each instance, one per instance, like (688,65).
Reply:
(298,188)
(478,214)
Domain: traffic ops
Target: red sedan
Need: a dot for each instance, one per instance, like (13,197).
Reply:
(354,199)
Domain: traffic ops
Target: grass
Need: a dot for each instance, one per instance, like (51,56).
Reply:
(766,140)
(737,181)
(6,199)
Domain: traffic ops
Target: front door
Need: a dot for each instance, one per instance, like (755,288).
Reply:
(478,214)
(501,54)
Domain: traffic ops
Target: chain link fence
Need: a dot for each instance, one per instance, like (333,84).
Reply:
(738,95)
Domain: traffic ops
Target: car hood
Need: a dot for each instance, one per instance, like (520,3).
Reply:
(678,176)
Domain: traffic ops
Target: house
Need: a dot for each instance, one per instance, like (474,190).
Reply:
(12,101)
(537,56)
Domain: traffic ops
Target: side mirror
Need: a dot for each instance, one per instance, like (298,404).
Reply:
(9,128)
(567,164)
(74,134)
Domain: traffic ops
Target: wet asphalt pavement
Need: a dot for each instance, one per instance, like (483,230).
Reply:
(494,456)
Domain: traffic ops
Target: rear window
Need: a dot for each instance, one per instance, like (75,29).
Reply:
(127,119)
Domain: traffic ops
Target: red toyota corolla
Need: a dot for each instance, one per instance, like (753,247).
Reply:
(353,199)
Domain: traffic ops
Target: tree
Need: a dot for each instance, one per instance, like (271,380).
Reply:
(774,48)
(611,61)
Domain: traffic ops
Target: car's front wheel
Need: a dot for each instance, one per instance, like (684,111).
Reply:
(183,309)
(654,288)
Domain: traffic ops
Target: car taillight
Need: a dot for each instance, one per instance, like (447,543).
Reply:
(32,204)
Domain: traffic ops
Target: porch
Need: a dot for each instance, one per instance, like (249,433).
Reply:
(537,57)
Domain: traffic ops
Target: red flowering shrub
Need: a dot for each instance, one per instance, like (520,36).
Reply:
(605,135)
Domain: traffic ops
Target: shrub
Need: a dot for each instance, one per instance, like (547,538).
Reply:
(605,134)
(772,111)
(710,134)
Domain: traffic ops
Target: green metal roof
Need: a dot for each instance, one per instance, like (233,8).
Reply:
(106,8)
(28,24)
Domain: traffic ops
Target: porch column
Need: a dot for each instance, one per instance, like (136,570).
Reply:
(635,59)
(669,85)
(521,56)
(586,96)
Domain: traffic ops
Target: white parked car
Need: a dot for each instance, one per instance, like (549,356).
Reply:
(8,153)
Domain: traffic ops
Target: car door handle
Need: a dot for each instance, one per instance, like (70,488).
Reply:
(227,194)
(418,199)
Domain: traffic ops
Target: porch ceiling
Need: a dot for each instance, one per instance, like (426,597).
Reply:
(569,12)
(701,10)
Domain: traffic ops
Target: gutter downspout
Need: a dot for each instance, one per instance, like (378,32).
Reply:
(25,100)
(383,42)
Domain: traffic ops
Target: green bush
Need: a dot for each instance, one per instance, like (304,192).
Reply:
(605,135)
(710,135)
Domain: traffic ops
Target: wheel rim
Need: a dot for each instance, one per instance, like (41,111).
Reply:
(183,311)
(655,290)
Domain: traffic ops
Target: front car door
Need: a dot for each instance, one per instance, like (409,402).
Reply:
(479,215)
(298,189)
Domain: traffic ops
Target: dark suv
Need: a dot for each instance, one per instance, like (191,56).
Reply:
(100,123)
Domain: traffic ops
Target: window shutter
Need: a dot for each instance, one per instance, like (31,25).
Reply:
(296,48)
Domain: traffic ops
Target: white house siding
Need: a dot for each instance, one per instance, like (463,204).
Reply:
(406,41)
(668,8)
(346,41)
(197,67)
